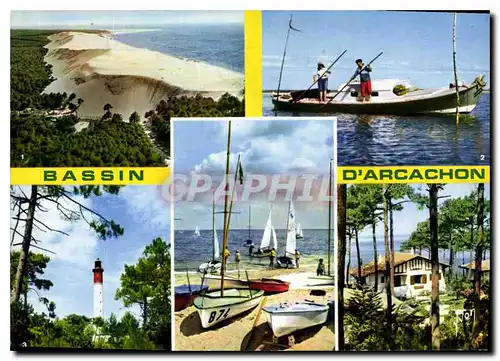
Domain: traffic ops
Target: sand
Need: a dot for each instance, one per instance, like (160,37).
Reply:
(101,70)
(236,334)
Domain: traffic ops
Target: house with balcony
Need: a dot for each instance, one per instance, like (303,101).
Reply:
(412,274)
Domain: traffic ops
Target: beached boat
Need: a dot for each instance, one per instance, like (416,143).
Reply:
(269,285)
(214,282)
(197,231)
(213,266)
(288,259)
(384,99)
(269,240)
(185,295)
(212,308)
(299,234)
(285,318)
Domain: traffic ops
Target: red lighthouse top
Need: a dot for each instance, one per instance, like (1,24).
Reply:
(98,270)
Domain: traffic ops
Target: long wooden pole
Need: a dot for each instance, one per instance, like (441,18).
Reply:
(283,60)
(213,225)
(226,198)
(457,114)
(330,217)
(287,222)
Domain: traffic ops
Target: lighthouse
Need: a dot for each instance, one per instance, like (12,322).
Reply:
(98,290)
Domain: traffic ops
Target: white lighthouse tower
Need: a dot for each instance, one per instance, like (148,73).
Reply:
(98,289)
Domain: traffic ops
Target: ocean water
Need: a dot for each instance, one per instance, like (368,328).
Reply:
(415,140)
(191,251)
(221,45)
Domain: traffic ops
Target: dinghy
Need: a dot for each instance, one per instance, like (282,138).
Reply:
(197,231)
(214,308)
(214,282)
(269,240)
(269,285)
(185,295)
(299,234)
(288,259)
(385,99)
(213,266)
(285,318)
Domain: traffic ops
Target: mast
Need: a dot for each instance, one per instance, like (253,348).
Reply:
(284,55)
(213,224)
(330,217)
(288,221)
(226,198)
(249,218)
(457,116)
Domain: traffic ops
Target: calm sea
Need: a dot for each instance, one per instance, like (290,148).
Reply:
(191,250)
(221,45)
(416,140)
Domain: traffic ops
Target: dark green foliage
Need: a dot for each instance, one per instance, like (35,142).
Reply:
(36,265)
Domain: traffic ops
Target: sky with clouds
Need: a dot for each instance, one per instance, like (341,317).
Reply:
(123,18)
(416,46)
(267,147)
(140,210)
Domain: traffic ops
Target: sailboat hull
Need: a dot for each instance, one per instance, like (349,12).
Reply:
(213,309)
(285,319)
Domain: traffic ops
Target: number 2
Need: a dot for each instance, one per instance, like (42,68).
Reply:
(482,156)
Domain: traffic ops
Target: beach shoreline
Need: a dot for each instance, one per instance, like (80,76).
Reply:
(101,70)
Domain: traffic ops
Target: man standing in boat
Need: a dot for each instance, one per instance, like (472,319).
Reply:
(364,79)
(322,77)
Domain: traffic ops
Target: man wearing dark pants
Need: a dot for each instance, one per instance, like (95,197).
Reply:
(364,80)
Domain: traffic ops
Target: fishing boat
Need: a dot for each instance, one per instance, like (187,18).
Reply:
(214,308)
(213,266)
(197,231)
(389,96)
(217,306)
(299,234)
(268,241)
(285,318)
(185,295)
(288,259)
(269,285)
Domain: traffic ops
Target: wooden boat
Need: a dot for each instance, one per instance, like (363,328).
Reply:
(269,285)
(285,318)
(384,100)
(214,282)
(212,308)
(185,295)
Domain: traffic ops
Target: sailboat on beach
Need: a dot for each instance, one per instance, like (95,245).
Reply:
(217,306)
(269,240)
(213,266)
(288,259)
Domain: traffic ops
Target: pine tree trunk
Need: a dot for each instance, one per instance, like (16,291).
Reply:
(479,253)
(433,220)
(348,258)
(452,261)
(25,248)
(358,255)
(375,255)
(391,239)
(341,229)
(387,259)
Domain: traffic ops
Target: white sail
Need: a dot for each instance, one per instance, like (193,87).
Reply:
(216,245)
(275,241)
(197,231)
(266,237)
(291,232)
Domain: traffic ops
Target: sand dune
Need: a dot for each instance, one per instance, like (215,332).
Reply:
(101,70)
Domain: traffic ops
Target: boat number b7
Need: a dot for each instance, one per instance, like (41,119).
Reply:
(222,314)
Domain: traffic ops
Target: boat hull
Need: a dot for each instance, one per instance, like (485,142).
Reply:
(214,309)
(287,321)
(442,103)
(184,298)
(213,282)
(270,285)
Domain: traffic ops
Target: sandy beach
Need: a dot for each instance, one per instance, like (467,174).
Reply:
(236,334)
(101,70)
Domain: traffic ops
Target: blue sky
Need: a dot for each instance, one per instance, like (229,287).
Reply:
(140,210)
(268,147)
(406,221)
(416,46)
(124,18)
